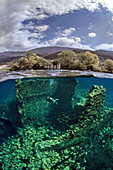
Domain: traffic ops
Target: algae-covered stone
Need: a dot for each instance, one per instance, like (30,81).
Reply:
(66,151)
(93,107)
(67,168)
(32,99)
(41,98)
(95,99)
(72,148)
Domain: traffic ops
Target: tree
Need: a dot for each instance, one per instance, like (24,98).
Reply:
(67,58)
(41,63)
(30,61)
(88,61)
(82,61)
(108,66)
(29,53)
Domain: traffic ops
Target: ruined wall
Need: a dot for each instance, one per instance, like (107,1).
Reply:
(95,99)
(89,120)
(32,98)
(32,102)
(93,106)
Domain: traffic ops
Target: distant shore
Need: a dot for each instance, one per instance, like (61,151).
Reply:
(3,66)
(66,60)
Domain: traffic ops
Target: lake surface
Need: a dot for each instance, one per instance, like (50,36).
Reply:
(50,73)
(56,122)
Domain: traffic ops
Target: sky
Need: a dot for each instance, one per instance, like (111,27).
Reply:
(29,24)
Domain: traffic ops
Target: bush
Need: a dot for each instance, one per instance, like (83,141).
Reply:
(88,61)
(30,61)
(40,63)
(84,61)
(108,66)
(67,58)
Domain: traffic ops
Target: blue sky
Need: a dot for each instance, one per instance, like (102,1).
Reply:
(28,24)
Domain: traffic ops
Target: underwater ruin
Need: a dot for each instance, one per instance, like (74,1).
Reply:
(63,123)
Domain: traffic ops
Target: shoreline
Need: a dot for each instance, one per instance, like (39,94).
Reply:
(3,66)
(51,74)
(6,74)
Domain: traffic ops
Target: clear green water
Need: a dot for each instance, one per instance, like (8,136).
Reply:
(41,127)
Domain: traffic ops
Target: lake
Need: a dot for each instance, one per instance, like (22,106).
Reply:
(61,120)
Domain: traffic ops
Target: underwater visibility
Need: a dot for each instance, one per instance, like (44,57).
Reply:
(59,123)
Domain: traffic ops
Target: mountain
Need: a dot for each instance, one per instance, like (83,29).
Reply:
(10,56)
(45,51)
(51,53)
(103,54)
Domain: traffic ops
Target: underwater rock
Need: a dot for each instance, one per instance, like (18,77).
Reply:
(42,98)
(93,107)
(9,119)
(1,124)
(6,129)
(61,114)
(64,92)
(89,119)
(95,99)
(32,99)
(88,144)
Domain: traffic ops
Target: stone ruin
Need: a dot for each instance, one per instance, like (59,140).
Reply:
(33,106)
(93,106)
(32,98)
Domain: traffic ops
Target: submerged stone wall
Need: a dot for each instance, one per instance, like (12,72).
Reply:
(39,98)
(95,99)
(93,106)
(31,96)
(89,120)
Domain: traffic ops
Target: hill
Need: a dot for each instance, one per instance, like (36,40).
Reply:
(51,53)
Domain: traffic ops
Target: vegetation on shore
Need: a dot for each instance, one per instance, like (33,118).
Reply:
(84,61)
(108,65)
(81,61)
(30,61)
(67,59)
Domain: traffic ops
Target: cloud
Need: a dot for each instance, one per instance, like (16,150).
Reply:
(34,28)
(65,32)
(18,41)
(22,40)
(42,28)
(14,12)
(66,38)
(37,14)
(91,26)
(68,32)
(109,33)
(41,16)
(104,46)
(73,42)
(63,6)
(92,34)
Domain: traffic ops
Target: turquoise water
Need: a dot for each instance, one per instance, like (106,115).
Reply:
(7,88)
(55,123)
(86,84)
